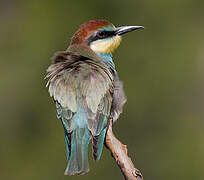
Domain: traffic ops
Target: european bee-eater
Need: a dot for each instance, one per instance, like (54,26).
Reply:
(85,86)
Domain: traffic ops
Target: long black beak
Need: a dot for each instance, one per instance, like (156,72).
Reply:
(125,29)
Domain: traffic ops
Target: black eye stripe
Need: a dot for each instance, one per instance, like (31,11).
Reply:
(107,33)
(100,35)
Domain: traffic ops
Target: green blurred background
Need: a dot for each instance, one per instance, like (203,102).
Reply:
(162,68)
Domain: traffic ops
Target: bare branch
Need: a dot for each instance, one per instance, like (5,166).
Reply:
(119,152)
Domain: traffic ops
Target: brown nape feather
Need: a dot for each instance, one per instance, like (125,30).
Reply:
(87,28)
(63,56)
(60,56)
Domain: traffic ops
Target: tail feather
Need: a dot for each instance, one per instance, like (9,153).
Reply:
(98,142)
(78,159)
(77,136)
(67,137)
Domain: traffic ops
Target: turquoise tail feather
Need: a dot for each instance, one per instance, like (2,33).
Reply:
(77,145)
(98,142)
(77,136)
(68,143)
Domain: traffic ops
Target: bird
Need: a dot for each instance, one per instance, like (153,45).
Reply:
(84,84)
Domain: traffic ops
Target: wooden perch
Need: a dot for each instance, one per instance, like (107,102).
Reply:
(119,152)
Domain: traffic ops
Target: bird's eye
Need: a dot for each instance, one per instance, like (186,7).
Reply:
(101,34)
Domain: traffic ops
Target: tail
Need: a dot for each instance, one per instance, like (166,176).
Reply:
(77,146)
(98,142)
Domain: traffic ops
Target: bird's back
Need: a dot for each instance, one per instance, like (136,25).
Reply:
(82,89)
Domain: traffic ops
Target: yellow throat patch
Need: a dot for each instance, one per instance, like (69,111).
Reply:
(106,46)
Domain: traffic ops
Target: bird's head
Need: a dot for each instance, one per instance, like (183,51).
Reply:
(101,36)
